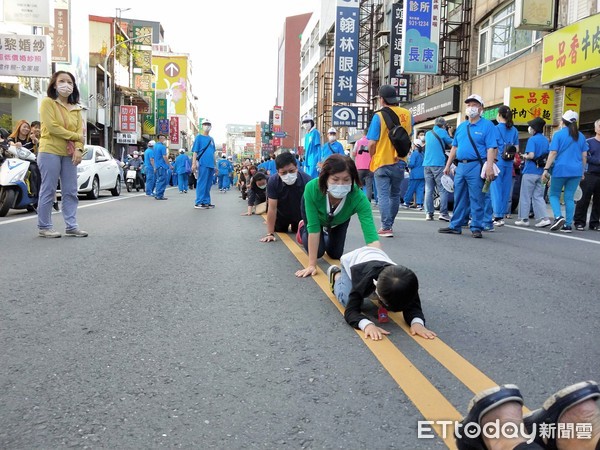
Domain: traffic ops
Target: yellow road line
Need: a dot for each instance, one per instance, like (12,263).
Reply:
(426,397)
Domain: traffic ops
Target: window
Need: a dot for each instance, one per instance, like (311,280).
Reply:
(499,40)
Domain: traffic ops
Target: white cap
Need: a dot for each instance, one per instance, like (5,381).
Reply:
(332,130)
(570,116)
(307,117)
(151,143)
(474,97)
(182,150)
(206,122)
(136,153)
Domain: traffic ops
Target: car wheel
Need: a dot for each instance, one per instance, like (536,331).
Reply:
(95,192)
(116,191)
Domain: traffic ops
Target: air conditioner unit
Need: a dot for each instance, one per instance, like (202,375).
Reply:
(382,42)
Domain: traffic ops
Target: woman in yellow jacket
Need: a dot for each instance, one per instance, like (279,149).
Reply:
(60,152)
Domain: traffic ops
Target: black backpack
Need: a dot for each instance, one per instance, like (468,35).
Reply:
(396,132)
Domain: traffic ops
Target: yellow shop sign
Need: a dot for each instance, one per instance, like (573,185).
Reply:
(529,103)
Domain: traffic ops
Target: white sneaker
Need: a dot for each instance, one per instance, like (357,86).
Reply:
(49,233)
(543,223)
(498,223)
(522,223)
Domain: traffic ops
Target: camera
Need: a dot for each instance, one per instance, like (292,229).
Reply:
(362,149)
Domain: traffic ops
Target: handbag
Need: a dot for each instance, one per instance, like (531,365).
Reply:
(70,144)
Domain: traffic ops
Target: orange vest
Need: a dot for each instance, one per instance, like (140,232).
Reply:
(385,153)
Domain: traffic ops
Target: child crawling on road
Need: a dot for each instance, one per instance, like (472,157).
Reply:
(369,270)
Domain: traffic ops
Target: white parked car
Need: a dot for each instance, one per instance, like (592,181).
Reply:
(98,170)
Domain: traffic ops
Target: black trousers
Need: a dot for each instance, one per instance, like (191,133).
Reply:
(590,187)
(331,240)
(283,223)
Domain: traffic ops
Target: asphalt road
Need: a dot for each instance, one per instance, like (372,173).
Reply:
(171,327)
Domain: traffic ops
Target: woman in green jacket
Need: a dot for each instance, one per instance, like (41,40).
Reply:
(327,206)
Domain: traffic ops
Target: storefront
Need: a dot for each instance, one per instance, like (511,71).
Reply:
(570,65)
(445,103)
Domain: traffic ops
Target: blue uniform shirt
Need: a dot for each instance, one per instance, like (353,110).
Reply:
(434,153)
(331,148)
(224,167)
(312,148)
(148,155)
(159,151)
(506,136)
(415,164)
(568,162)
(484,134)
(208,157)
(181,164)
(538,144)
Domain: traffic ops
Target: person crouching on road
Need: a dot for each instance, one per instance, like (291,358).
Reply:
(257,193)
(369,270)
(327,206)
(204,161)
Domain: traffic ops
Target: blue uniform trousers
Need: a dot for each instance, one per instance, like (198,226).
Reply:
(205,181)
(468,197)
(161,182)
(182,182)
(150,181)
(500,189)
(415,186)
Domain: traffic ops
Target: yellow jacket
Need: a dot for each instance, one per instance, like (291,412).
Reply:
(385,153)
(54,134)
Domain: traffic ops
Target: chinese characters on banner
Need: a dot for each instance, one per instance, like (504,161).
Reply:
(27,56)
(128,117)
(60,37)
(527,104)
(396,41)
(163,126)
(174,130)
(347,26)
(572,50)
(344,116)
(421,31)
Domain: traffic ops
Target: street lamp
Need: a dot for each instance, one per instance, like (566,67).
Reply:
(108,104)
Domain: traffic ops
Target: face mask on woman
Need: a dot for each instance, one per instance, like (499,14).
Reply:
(531,131)
(289,178)
(64,89)
(262,186)
(339,190)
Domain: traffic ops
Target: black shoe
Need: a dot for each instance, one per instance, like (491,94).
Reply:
(549,414)
(566,229)
(449,230)
(55,206)
(557,224)
(477,234)
(579,227)
(161,198)
(480,405)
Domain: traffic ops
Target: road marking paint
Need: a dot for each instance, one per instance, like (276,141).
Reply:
(553,233)
(425,396)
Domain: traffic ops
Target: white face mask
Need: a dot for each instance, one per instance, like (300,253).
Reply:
(331,138)
(339,190)
(289,178)
(472,111)
(206,128)
(306,126)
(264,186)
(64,89)
(531,131)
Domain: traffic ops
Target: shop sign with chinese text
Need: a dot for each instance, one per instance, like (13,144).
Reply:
(527,104)
(25,55)
(421,32)
(128,117)
(347,25)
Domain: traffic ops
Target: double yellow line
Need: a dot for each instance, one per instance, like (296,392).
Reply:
(425,396)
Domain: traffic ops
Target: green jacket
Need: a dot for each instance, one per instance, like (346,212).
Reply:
(356,203)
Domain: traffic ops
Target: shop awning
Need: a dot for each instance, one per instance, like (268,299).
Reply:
(136,97)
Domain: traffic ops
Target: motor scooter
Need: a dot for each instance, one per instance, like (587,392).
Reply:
(133,179)
(14,168)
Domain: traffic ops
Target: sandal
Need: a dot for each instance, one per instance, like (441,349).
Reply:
(554,407)
(481,404)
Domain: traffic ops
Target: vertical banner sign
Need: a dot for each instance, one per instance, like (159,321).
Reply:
(174,130)
(161,108)
(163,126)
(128,116)
(396,41)
(421,31)
(347,24)
(60,36)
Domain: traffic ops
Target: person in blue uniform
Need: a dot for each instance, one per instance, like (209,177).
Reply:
(149,168)
(161,166)
(475,141)
(204,162)
(312,147)
(182,169)
(416,177)
(332,146)
(508,146)
(567,159)
(437,141)
(224,168)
